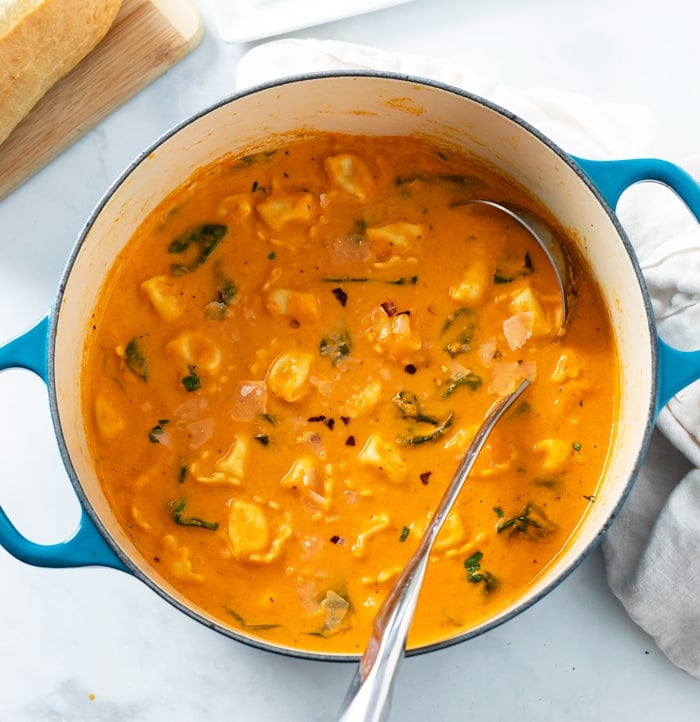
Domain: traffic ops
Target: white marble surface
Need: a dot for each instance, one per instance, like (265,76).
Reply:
(96,645)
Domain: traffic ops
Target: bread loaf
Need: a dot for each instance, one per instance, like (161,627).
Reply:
(40,42)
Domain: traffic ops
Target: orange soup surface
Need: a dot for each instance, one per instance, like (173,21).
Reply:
(287,363)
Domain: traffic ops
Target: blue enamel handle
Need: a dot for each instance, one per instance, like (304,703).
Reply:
(677,369)
(86,547)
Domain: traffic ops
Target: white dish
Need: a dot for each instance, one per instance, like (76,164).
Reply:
(246,20)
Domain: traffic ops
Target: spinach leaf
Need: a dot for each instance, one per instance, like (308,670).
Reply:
(205,238)
(477,575)
(335,346)
(458,331)
(157,430)
(177,507)
(530,520)
(432,436)
(472,380)
(135,359)
(192,382)
(410,407)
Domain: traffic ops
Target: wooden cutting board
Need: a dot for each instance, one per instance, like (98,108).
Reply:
(147,38)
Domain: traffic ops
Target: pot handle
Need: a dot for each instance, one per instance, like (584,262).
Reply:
(677,369)
(87,546)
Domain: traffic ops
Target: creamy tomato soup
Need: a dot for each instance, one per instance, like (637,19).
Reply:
(289,359)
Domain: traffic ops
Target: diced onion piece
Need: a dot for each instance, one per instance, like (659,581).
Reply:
(518,329)
(250,400)
(488,351)
(393,336)
(307,594)
(200,431)
(335,609)
(506,375)
(311,547)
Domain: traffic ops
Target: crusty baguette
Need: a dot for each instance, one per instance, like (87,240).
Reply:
(40,42)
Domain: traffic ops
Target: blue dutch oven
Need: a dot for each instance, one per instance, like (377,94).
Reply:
(581,194)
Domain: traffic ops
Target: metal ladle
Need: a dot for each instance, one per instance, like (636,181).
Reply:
(369,696)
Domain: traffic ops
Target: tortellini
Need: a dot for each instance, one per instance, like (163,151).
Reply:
(196,350)
(350,174)
(294,304)
(282,208)
(251,535)
(384,456)
(229,469)
(110,421)
(394,239)
(289,374)
(164,294)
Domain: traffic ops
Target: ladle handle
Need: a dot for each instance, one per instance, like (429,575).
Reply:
(86,546)
(369,695)
(677,369)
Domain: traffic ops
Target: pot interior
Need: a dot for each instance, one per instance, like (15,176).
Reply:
(373,105)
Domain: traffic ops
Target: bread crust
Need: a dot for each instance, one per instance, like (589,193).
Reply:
(43,44)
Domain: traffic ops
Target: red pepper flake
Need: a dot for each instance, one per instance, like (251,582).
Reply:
(295,323)
(410,369)
(345,420)
(350,441)
(320,418)
(425,477)
(341,296)
(335,539)
(330,423)
(389,308)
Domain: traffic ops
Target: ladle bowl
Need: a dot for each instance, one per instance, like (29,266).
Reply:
(550,244)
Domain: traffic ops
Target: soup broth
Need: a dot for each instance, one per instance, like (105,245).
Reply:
(287,362)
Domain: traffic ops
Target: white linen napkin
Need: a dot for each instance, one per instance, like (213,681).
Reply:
(651,551)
